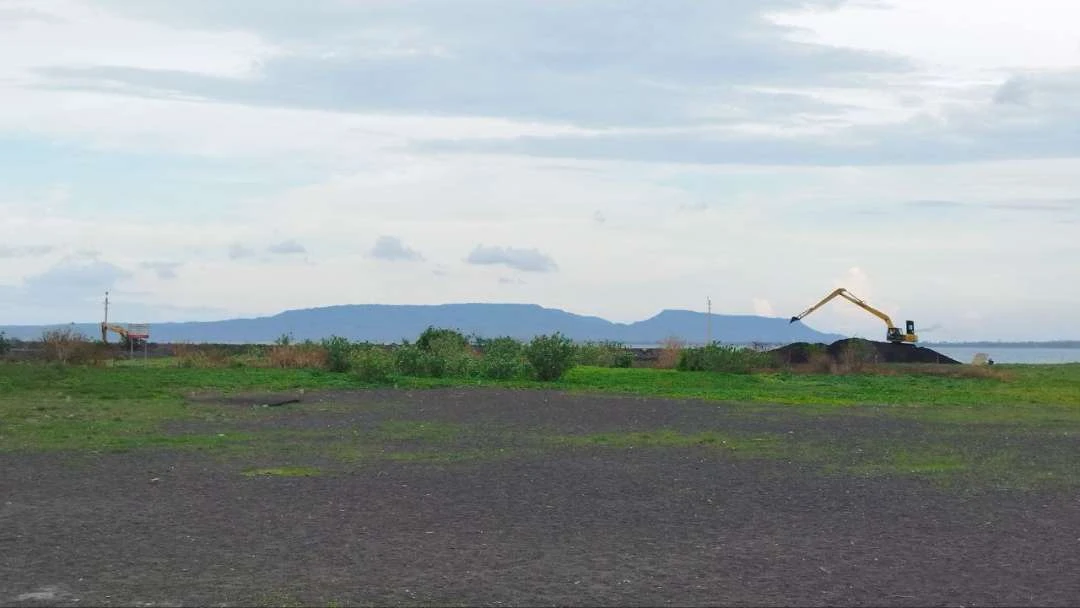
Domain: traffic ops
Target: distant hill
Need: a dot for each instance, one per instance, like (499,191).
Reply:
(392,323)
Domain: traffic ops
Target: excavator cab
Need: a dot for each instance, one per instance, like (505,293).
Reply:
(909,335)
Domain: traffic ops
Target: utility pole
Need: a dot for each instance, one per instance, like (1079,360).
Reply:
(708,321)
(105,322)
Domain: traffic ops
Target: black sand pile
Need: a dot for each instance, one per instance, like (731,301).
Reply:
(878,352)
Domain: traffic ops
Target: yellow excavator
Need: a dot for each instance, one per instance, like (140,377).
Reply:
(125,337)
(131,336)
(893,333)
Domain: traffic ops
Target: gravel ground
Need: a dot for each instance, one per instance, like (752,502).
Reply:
(658,526)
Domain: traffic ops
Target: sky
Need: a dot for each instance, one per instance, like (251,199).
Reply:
(207,160)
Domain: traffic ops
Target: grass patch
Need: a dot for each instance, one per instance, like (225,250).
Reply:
(437,455)
(906,462)
(417,430)
(968,426)
(667,438)
(1035,395)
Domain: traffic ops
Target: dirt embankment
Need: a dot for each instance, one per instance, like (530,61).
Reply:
(866,350)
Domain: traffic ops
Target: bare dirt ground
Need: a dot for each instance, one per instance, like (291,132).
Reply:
(569,526)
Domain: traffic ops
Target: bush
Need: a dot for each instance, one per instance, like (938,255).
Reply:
(720,358)
(604,354)
(339,353)
(66,345)
(504,359)
(411,360)
(550,356)
(437,353)
(462,364)
(5,344)
(442,340)
(670,354)
(374,365)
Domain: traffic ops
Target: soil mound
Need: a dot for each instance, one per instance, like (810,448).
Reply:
(879,352)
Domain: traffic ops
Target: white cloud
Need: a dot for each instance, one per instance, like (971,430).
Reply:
(527,260)
(27,251)
(69,32)
(163,270)
(970,34)
(238,251)
(289,247)
(763,308)
(391,248)
(856,281)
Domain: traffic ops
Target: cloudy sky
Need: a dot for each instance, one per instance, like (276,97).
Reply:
(208,159)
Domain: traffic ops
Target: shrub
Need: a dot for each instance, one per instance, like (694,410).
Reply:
(374,365)
(462,364)
(5,344)
(411,360)
(65,345)
(442,340)
(604,354)
(550,356)
(339,352)
(670,353)
(437,353)
(504,359)
(720,358)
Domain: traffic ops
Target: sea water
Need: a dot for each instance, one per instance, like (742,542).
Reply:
(1011,354)
(1000,354)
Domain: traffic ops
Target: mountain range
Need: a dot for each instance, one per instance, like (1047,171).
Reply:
(384,323)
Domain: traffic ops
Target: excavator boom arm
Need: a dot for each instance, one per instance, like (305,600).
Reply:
(843,293)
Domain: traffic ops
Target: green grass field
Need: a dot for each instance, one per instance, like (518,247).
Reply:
(965,420)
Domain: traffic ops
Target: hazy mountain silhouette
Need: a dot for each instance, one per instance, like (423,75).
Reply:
(392,323)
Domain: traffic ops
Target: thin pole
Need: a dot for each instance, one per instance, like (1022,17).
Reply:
(708,321)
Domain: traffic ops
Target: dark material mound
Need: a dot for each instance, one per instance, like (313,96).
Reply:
(863,350)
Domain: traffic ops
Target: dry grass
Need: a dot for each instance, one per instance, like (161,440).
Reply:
(822,364)
(946,371)
(669,354)
(190,355)
(298,356)
(818,363)
(855,358)
(289,356)
(67,346)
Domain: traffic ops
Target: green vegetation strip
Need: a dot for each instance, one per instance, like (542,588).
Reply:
(759,445)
